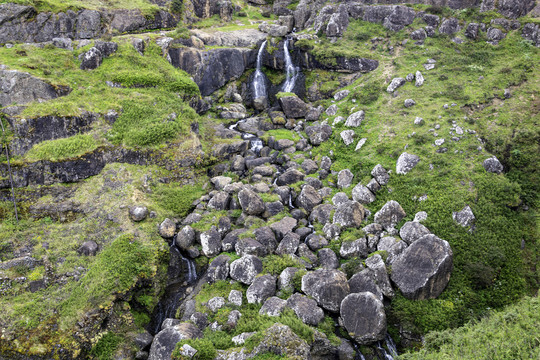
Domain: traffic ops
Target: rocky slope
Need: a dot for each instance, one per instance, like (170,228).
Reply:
(168,211)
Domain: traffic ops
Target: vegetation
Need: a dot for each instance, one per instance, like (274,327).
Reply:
(146,6)
(62,148)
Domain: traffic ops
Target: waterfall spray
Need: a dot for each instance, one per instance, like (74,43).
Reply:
(259,88)
(292,71)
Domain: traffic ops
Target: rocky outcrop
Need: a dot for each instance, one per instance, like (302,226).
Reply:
(237,38)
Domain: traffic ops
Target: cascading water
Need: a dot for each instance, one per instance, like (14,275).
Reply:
(292,71)
(259,86)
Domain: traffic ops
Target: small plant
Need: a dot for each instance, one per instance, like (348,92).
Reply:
(177,6)
(106,346)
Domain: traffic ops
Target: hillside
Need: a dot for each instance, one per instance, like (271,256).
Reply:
(255,180)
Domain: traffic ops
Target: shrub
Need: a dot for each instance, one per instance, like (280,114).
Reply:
(369,93)
(177,6)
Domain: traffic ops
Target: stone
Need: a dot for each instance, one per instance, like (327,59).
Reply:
(380,174)
(316,242)
(332,110)
(418,121)
(251,203)
(284,282)
(340,198)
(340,95)
(412,231)
(144,340)
(107,48)
(166,340)
(420,216)
(495,35)
(267,238)
(284,226)
(293,107)
(376,264)
(139,45)
(88,248)
(235,297)
(493,165)
(328,259)
(306,309)
(449,26)
(281,340)
(273,306)
(419,34)
(289,244)
(364,318)
(211,242)
(465,217)
(249,246)
(348,136)
(289,177)
(187,351)
(355,248)
(138,213)
(360,143)
(241,339)
(395,84)
(327,287)
(390,215)
(220,182)
(472,31)
(185,237)
(362,194)
(218,269)
(318,134)
(216,303)
(245,269)
(322,213)
(423,270)
(419,79)
(355,119)
(262,288)
(63,43)
(364,281)
(308,198)
(314,114)
(91,59)
(409,103)
(310,166)
(373,186)
(406,162)
(349,214)
(409,77)
(167,228)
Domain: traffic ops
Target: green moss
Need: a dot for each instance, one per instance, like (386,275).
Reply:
(281,94)
(275,264)
(147,7)
(60,149)
(176,198)
(106,346)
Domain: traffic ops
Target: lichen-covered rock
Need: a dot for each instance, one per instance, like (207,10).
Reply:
(167,228)
(376,264)
(185,237)
(355,248)
(412,231)
(293,106)
(251,202)
(347,136)
(322,213)
(283,226)
(308,198)
(285,279)
(423,270)
(138,213)
(218,269)
(327,287)
(364,318)
(273,306)
(390,215)
(328,259)
(465,217)
(249,246)
(211,242)
(306,309)
(362,194)
(395,84)
(281,340)
(289,177)
(261,289)
(289,244)
(493,165)
(165,341)
(449,26)
(380,174)
(349,214)
(406,162)
(318,134)
(91,59)
(355,119)
(245,269)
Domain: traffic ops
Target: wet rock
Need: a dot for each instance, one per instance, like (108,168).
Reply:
(362,194)
(138,213)
(261,289)
(308,198)
(390,215)
(355,119)
(88,248)
(328,259)
(218,269)
(327,287)
(406,162)
(289,177)
(424,268)
(293,107)
(251,203)
(281,340)
(355,248)
(211,242)
(245,269)
(349,214)
(363,316)
(273,306)
(91,59)
(318,134)
(395,84)
(493,165)
(465,217)
(284,226)
(412,231)
(289,244)
(185,238)
(165,341)
(306,309)
(143,340)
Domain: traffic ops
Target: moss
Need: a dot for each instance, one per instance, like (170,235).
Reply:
(275,264)
(281,94)
(62,148)
(106,346)
(177,198)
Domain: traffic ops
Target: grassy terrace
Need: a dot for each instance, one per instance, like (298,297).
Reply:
(146,6)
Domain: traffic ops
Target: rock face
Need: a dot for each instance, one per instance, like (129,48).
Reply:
(327,287)
(423,270)
(364,318)
(22,88)
(165,341)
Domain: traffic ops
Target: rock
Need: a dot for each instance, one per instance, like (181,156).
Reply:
(63,43)
(215,303)
(308,198)
(15,87)
(348,137)
(355,119)
(251,203)
(167,228)
(493,165)
(364,318)
(430,31)
(420,216)
(495,35)
(249,246)
(260,103)
(220,182)
(361,143)
(531,32)
(406,162)
(362,194)
(449,26)
(380,174)
(390,215)
(139,45)
(245,269)
(310,260)
(285,279)
(187,351)
(340,95)
(327,287)
(138,213)
(185,237)
(328,259)
(349,214)
(345,178)
(332,110)
(373,186)
(314,114)
(418,121)
(318,134)
(310,166)
(282,341)
(293,107)
(289,177)
(472,31)
(346,351)
(355,248)
(316,241)
(235,297)
(165,341)
(218,269)
(261,289)
(143,340)
(364,281)
(91,59)
(88,248)
(211,242)
(423,269)
(409,103)
(289,244)
(412,231)
(419,34)
(395,84)
(409,77)
(306,309)
(419,79)
(339,198)
(107,48)
(266,237)
(273,306)
(284,226)
(465,217)
(376,264)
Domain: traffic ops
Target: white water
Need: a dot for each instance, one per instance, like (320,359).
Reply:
(259,88)
(191,270)
(391,345)
(291,70)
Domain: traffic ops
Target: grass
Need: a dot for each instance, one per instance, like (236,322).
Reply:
(176,198)
(62,148)
(146,7)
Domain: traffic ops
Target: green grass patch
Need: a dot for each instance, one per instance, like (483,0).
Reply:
(275,264)
(146,7)
(106,346)
(176,198)
(60,149)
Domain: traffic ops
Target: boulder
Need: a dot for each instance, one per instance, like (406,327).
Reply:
(63,43)
(365,281)
(419,34)
(165,341)
(472,31)
(308,198)
(465,217)
(380,174)
(138,213)
(293,107)
(332,110)
(364,318)
(355,119)
(493,165)
(283,226)
(395,84)
(355,248)
(235,297)
(282,341)
(322,213)
(409,103)
(267,238)
(310,166)
(340,95)
(88,248)
(316,242)
(328,259)
(423,270)
(289,244)
(285,279)
(345,178)
(376,264)
(251,203)
(419,79)
(390,215)
(249,246)
(216,303)
(306,309)
(220,182)
(91,59)
(261,289)
(218,269)
(327,287)
(318,134)
(167,228)
(185,237)
(107,48)
(373,186)
(412,231)
(449,26)
(362,194)
(348,136)
(495,35)
(273,306)
(21,88)
(245,269)
(406,162)
(289,177)
(211,242)
(349,214)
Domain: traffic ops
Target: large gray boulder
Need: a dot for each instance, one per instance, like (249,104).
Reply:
(327,287)
(261,289)
(251,202)
(246,269)
(306,309)
(308,198)
(289,244)
(364,281)
(185,237)
(273,306)
(423,270)
(355,119)
(349,214)
(390,215)
(395,84)
(289,177)
(218,269)
(449,26)
(376,264)
(91,59)
(362,194)
(211,242)
(165,341)
(283,226)
(21,88)
(412,231)
(318,134)
(293,107)
(364,318)
(406,162)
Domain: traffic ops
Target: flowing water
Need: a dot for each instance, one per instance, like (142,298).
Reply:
(292,71)
(259,86)
(255,144)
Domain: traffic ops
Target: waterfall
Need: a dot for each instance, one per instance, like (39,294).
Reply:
(292,71)
(391,345)
(259,87)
